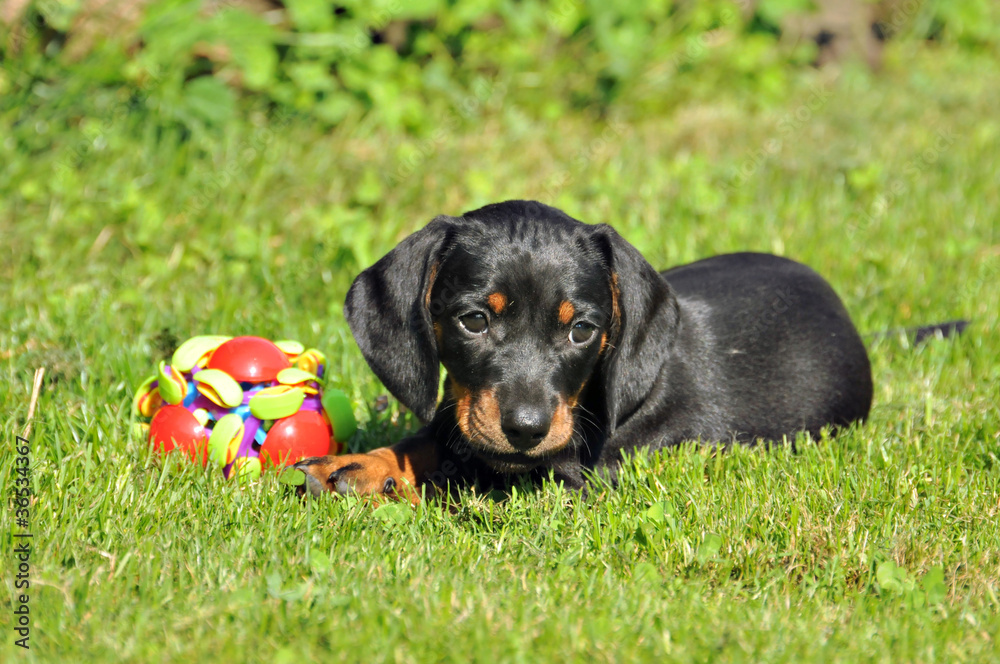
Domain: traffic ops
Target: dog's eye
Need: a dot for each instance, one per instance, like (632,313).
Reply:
(582,333)
(474,322)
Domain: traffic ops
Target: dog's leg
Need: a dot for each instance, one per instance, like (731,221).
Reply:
(399,470)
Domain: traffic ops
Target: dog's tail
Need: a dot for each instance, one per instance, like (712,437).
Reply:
(924,332)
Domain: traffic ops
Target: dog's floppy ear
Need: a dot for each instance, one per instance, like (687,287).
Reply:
(387,310)
(643,326)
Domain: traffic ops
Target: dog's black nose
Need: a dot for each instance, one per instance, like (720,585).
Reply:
(526,426)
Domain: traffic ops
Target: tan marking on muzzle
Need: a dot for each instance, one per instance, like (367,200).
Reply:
(478,415)
(562,427)
(463,401)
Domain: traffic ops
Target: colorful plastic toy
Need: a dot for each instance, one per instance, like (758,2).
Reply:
(244,404)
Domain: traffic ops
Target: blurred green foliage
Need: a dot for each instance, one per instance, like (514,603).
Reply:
(399,64)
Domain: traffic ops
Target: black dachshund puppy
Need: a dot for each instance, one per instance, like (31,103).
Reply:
(565,349)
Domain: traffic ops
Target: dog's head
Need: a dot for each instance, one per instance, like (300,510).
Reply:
(528,310)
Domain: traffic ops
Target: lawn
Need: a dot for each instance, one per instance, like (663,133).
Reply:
(883,544)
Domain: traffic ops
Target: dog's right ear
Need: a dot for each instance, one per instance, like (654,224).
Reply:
(643,326)
(389,316)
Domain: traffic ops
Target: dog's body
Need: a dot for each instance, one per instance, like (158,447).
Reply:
(565,349)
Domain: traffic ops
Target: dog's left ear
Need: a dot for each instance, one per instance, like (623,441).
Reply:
(643,326)
(387,310)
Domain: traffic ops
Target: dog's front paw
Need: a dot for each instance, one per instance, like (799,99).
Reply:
(376,473)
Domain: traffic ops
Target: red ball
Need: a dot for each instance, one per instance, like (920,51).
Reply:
(249,359)
(304,434)
(174,428)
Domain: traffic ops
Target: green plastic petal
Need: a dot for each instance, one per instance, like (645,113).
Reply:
(173,387)
(318,354)
(273,403)
(294,376)
(219,387)
(290,346)
(188,353)
(228,430)
(201,415)
(311,360)
(338,409)
(248,468)
(141,394)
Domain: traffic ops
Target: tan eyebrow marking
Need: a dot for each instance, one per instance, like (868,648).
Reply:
(497,302)
(566,312)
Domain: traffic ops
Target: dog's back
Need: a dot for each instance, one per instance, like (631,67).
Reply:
(784,356)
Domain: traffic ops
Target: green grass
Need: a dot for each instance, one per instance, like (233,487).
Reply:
(110,257)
